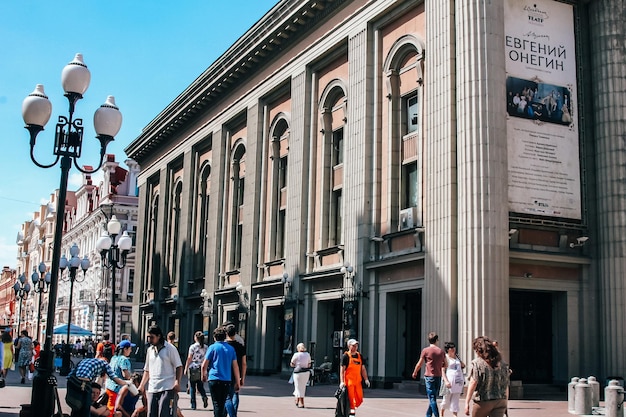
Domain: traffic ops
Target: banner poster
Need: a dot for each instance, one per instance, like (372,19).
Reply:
(542,129)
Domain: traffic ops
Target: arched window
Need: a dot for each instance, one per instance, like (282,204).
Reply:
(173,261)
(403,76)
(279,134)
(151,259)
(237,203)
(202,218)
(333,111)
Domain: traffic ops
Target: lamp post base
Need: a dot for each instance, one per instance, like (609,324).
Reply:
(44,386)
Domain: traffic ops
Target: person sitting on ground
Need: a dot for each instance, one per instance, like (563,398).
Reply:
(127,400)
(98,407)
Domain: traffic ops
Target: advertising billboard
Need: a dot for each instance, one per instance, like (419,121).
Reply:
(541,103)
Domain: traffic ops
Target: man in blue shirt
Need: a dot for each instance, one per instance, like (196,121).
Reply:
(221,363)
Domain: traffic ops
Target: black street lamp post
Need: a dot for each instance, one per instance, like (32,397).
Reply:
(40,286)
(73,263)
(21,288)
(36,110)
(114,257)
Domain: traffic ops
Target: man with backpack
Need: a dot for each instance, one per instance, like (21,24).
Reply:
(106,348)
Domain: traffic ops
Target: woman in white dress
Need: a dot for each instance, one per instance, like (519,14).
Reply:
(453,379)
(301,364)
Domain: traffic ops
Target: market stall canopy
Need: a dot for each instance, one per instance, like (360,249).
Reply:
(74,330)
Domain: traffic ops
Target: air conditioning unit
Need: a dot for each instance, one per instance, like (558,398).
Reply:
(408,218)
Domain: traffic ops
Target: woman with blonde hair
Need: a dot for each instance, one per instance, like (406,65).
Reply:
(301,364)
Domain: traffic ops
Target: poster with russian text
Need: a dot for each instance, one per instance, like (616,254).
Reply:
(541,103)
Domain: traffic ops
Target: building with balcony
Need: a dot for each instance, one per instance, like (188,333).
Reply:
(381,169)
(87,211)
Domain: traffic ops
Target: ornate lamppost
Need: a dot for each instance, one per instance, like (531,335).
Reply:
(36,110)
(73,263)
(21,288)
(40,286)
(114,257)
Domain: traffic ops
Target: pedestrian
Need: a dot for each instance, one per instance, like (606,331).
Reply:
(171,339)
(8,350)
(162,373)
(79,384)
(25,358)
(106,348)
(301,364)
(434,359)
(351,375)
(121,368)
(218,367)
(453,380)
(127,399)
(193,369)
(489,381)
(236,342)
(98,409)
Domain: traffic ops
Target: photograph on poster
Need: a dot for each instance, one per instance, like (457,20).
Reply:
(535,100)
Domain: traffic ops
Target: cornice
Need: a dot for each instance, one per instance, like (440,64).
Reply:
(280,28)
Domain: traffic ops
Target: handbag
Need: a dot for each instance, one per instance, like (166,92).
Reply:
(443,390)
(194,374)
(74,395)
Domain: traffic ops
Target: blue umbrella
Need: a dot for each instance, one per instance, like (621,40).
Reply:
(74,330)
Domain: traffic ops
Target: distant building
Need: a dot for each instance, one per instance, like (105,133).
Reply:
(87,211)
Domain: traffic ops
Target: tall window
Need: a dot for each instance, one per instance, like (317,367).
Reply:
(174,235)
(152,257)
(237,207)
(279,244)
(202,219)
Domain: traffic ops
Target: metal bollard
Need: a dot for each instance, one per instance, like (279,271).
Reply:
(595,391)
(571,393)
(582,403)
(614,399)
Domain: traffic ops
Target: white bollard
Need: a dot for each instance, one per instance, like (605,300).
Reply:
(614,399)
(571,393)
(582,403)
(595,391)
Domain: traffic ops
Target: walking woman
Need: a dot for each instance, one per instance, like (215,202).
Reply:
(453,379)
(24,359)
(193,369)
(8,350)
(301,364)
(488,382)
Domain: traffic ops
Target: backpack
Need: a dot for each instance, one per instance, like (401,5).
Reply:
(107,351)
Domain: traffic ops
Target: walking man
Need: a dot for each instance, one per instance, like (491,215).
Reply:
(218,367)
(435,359)
(162,373)
(351,375)
(232,400)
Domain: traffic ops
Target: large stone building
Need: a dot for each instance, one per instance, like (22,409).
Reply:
(380,169)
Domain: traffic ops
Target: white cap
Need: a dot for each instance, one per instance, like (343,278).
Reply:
(353,342)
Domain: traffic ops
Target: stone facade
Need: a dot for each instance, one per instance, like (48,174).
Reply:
(344,170)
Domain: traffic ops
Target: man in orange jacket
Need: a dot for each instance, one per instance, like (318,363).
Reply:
(352,374)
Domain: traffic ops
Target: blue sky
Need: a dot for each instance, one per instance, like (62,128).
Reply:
(145,53)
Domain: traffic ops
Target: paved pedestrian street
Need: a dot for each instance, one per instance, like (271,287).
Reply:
(271,396)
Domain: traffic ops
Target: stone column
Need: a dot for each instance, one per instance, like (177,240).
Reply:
(358,159)
(440,182)
(483,255)
(607,28)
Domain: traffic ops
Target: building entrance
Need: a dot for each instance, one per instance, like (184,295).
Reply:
(404,333)
(531,320)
